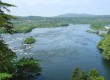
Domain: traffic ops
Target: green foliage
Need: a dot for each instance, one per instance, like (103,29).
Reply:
(29,40)
(26,24)
(89,31)
(76,72)
(20,69)
(5,18)
(83,75)
(4,76)
(104,45)
(24,29)
(100,43)
(93,75)
(26,68)
(102,35)
(98,25)
(10,67)
(2,30)
(7,57)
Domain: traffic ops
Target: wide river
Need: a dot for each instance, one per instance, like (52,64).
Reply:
(61,49)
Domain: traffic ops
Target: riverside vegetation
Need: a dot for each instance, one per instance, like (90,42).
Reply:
(104,46)
(93,75)
(12,68)
(26,24)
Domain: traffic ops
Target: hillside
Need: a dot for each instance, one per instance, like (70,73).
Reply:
(81,15)
(76,15)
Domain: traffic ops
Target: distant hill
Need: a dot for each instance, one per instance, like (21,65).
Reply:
(75,15)
(65,15)
(81,15)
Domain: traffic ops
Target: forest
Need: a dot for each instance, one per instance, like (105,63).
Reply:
(31,22)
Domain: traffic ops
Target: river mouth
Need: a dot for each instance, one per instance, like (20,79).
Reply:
(61,49)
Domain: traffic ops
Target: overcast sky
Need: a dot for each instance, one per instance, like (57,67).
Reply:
(58,7)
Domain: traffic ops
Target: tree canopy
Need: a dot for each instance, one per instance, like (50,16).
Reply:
(5,18)
(10,67)
(93,75)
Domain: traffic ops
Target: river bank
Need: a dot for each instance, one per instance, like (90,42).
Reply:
(60,49)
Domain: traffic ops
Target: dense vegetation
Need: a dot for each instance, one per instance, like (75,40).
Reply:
(29,40)
(104,45)
(18,69)
(5,18)
(26,24)
(12,68)
(93,75)
(99,25)
(4,76)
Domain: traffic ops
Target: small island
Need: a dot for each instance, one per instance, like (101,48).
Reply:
(29,40)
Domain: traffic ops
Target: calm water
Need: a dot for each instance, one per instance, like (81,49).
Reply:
(61,49)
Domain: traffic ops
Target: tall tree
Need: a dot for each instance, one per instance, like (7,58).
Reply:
(4,17)
(9,66)
(6,54)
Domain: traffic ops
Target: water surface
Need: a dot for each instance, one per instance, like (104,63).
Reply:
(61,49)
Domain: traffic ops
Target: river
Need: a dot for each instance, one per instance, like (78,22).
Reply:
(61,49)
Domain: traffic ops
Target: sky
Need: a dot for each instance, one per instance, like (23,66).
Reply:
(57,7)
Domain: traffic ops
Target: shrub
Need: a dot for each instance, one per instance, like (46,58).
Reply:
(104,45)
(4,76)
(29,40)
(93,75)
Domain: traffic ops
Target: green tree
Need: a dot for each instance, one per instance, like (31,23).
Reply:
(9,65)
(6,54)
(26,68)
(7,57)
(75,75)
(5,18)
(83,75)
(93,75)
(104,45)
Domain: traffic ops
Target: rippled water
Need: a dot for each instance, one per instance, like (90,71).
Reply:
(61,49)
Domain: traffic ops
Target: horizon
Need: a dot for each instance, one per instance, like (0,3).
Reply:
(51,8)
(64,14)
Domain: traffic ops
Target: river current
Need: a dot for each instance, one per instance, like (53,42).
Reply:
(61,49)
